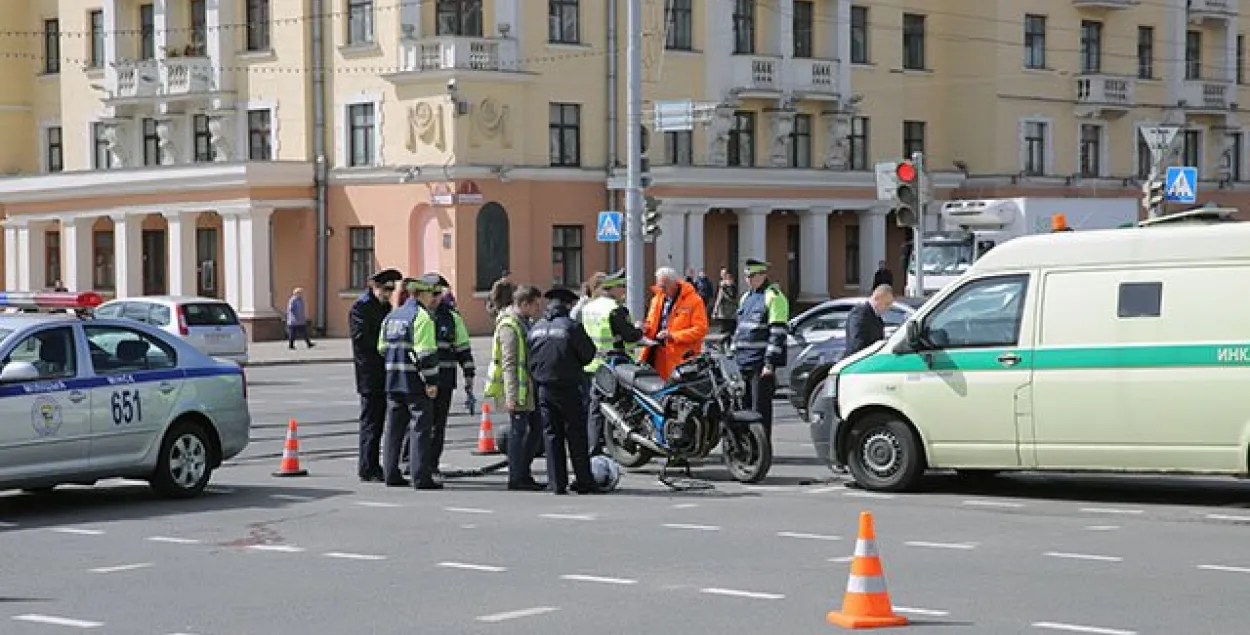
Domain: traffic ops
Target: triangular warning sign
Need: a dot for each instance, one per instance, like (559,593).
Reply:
(608,228)
(1180,187)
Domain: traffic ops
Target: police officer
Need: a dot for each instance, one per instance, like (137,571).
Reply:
(759,342)
(408,345)
(559,349)
(365,321)
(454,349)
(607,321)
(508,380)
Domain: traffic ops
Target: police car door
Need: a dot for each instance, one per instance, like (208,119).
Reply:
(44,420)
(136,386)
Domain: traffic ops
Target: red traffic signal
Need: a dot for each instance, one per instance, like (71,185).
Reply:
(906,172)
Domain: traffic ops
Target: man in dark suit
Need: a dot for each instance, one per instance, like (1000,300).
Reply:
(365,320)
(864,325)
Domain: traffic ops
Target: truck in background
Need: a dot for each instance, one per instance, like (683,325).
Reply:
(967,229)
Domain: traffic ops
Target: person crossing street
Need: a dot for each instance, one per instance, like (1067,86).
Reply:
(454,350)
(759,342)
(407,342)
(607,321)
(365,326)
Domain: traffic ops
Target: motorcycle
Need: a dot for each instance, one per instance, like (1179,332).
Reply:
(683,418)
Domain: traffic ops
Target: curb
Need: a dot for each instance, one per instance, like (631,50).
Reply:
(297,362)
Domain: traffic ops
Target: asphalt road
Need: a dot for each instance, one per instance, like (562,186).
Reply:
(326,555)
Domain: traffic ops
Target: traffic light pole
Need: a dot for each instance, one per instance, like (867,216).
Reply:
(917,241)
(634,270)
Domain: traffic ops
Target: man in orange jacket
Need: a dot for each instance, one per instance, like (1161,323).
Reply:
(676,320)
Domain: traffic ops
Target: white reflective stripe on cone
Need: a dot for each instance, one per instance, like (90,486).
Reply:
(866,549)
(865,584)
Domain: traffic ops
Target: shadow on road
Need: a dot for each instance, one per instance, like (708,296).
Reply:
(1146,490)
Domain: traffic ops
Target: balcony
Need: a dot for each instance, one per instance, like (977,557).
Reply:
(1105,5)
(756,75)
(1211,96)
(1103,95)
(815,79)
(1200,10)
(452,53)
(169,77)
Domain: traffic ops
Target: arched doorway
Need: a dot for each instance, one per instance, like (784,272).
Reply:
(492,245)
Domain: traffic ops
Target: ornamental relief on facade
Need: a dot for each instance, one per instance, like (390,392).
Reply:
(425,127)
(490,122)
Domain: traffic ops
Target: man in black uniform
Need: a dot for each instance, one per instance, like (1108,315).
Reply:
(454,349)
(365,320)
(559,348)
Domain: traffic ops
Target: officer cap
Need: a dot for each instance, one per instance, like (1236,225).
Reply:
(756,266)
(424,284)
(613,280)
(386,276)
(441,283)
(561,295)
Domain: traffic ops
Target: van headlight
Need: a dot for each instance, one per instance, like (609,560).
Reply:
(831,387)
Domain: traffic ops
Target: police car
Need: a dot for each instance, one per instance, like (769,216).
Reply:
(84,399)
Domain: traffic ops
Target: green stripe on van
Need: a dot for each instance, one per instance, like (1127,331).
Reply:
(1180,356)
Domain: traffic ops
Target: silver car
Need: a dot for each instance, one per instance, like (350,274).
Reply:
(87,399)
(209,324)
(828,320)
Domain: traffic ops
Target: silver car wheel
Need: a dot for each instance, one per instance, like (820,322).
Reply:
(882,453)
(188,461)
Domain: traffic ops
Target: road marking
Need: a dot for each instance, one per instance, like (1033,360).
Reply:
(352,556)
(1112,510)
(7,525)
(219,490)
(841,559)
(512,615)
(1236,519)
(984,503)
(1077,628)
(122,567)
(468,526)
(928,612)
(743,594)
(567,516)
(57,621)
(795,534)
(377,504)
(468,510)
(1083,556)
(577,577)
(941,545)
(855,494)
(766,488)
(472,567)
(1102,527)
(1220,567)
(824,490)
(78,532)
(694,527)
(291,497)
(685,505)
(173,541)
(277,548)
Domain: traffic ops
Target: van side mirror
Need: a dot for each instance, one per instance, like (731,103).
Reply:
(18,371)
(916,338)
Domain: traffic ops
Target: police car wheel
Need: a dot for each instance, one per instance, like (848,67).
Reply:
(884,454)
(185,462)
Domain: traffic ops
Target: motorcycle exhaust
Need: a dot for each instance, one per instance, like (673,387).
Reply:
(614,417)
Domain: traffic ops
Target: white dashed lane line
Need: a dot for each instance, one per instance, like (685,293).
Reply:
(577,577)
(1077,628)
(1112,510)
(53,620)
(378,504)
(468,510)
(486,568)
(1224,568)
(1082,556)
(841,559)
(567,516)
(926,612)
(1228,517)
(78,531)
(754,595)
(942,545)
(685,505)
(692,527)
(7,525)
(1102,528)
(291,497)
(876,495)
(984,503)
(122,567)
(512,615)
(803,536)
(341,555)
(173,540)
(277,548)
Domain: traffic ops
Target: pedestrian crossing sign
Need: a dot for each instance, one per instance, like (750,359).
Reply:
(609,227)
(1181,185)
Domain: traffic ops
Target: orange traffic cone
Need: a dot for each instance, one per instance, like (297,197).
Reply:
(486,434)
(866,603)
(290,454)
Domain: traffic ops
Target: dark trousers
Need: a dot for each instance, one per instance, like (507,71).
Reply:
(372,425)
(410,415)
(294,332)
(594,418)
(562,410)
(442,408)
(759,397)
(525,438)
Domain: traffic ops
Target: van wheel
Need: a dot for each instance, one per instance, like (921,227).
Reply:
(184,465)
(884,454)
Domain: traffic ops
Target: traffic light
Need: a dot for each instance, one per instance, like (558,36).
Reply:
(906,193)
(651,218)
(644,169)
(1152,195)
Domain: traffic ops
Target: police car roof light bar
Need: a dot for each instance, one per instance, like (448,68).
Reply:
(50,300)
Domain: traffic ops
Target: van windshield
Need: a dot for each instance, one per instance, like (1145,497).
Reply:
(210,314)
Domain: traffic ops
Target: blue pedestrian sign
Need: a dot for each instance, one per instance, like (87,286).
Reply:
(1181,185)
(609,227)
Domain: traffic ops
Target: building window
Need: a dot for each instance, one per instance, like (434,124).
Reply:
(859,143)
(741,147)
(565,132)
(51,46)
(199,29)
(680,25)
(744,27)
(361,257)
(258,25)
(151,143)
(202,140)
(852,255)
(804,28)
(147,32)
(859,35)
(680,147)
(1145,52)
(459,17)
(1034,41)
(96,56)
(801,142)
(913,137)
(566,256)
(260,135)
(103,257)
(359,22)
(1034,148)
(206,261)
(493,245)
(1091,46)
(563,22)
(52,259)
(1241,59)
(1233,161)
(1191,150)
(913,42)
(1145,158)
(1091,150)
(361,136)
(101,158)
(55,149)
(1193,55)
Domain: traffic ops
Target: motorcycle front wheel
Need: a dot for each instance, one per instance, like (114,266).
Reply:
(749,458)
(625,452)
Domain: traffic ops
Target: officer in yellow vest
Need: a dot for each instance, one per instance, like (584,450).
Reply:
(508,380)
(607,322)
(408,345)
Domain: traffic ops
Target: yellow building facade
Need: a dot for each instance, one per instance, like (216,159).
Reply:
(242,148)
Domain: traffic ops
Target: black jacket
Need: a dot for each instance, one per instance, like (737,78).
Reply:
(863,328)
(618,319)
(559,348)
(365,322)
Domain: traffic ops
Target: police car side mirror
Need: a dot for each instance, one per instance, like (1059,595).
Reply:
(19,371)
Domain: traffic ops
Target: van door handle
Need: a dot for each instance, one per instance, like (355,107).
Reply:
(167,387)
(1009,359)
(76,396)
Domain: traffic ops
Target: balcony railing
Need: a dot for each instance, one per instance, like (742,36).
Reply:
(1104,91)
(169,76)
(458,53)
(1211,9)
(756,73)
(1208,95)
(1105,4)
(812,76)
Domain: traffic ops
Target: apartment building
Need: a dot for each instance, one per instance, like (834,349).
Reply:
(171,146)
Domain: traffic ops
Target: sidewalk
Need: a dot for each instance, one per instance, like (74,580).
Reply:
(326,351)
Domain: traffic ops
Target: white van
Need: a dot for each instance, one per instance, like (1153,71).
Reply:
(1123,350)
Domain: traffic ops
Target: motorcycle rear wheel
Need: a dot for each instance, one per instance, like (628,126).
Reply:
(749,460)
(626,453)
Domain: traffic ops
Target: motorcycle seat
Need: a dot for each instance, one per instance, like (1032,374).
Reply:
(643,378)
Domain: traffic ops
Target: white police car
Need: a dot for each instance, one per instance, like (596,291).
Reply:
(85,399)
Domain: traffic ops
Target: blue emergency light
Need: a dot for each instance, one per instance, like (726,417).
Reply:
(50,300)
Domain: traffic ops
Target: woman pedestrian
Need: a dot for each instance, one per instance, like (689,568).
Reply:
(725,308)
(297,319)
